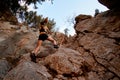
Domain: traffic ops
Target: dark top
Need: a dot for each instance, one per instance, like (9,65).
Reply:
(42,29)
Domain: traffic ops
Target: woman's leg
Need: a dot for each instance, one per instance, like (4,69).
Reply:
(35,51)
(37,47)
(52,40)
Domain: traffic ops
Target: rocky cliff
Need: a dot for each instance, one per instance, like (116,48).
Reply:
(93,53)
(98,41)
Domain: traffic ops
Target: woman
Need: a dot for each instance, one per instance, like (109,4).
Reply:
(42,37)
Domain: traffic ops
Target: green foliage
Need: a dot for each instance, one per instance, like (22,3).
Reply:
(9,4)
(32,19)
(66,31)
(14,4)
(51,24)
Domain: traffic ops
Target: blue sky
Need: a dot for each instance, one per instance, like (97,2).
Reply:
(62,10)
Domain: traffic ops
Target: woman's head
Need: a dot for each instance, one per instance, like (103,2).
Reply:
(44,21)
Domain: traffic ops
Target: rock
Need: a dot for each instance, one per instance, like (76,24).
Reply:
(98,41)
(111,4)
(27,70)
(91,54)
(82,17)
(66,62)
(4,68)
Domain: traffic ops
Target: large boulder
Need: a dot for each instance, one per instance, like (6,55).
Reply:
(27,70)
(15,40)
(67,62)
(111,4)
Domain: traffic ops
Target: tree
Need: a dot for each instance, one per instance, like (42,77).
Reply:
(8,8)
(71,20)
(96,12)
(33,20)
(51,24)
(66,31)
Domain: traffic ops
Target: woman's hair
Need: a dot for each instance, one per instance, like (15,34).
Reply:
(44,21)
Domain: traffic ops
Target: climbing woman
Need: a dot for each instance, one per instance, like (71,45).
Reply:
(43,35)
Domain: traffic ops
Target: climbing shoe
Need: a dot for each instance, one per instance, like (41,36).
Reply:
(33,57)
(56,46)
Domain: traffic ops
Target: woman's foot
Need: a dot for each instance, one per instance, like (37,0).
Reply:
(56,46)
(33,57)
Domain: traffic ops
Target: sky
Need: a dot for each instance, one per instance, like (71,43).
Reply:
(62,10)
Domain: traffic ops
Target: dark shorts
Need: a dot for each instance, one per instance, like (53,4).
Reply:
(43,37)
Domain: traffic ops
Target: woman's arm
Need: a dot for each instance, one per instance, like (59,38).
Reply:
(47,30)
